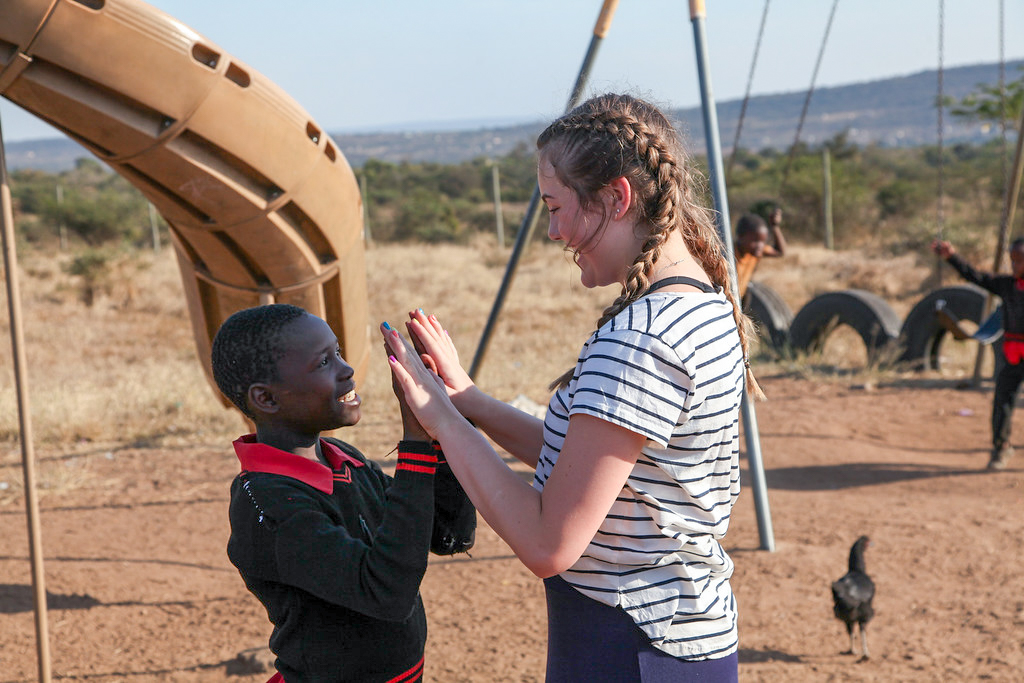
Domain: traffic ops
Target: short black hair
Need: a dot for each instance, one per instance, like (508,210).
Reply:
(1017,243)
(749,222)
(247,347)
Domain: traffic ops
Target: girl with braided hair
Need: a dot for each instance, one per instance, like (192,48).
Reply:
(637,458)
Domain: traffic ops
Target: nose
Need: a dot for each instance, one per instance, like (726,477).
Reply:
(553,234)
(345,371)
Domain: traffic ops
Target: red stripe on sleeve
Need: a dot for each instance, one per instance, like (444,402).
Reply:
(411,676)
(419,457)
(411,467)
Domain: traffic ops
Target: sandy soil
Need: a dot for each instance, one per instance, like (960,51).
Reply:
(139,588)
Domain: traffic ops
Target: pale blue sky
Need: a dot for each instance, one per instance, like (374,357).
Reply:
(390,63)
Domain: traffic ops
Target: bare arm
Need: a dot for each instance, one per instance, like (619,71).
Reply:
(548,530)
(778,246)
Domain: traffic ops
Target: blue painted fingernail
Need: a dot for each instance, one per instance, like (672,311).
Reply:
(386,326)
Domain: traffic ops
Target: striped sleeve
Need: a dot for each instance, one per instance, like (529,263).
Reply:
(636,381)
(417,456)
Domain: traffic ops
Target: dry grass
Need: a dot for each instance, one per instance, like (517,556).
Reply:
(124,371)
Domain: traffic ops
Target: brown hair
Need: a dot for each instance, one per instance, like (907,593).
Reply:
(612,136)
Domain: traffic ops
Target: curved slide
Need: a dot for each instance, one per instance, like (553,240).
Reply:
(262,206)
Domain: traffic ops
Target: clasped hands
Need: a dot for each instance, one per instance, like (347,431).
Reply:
(426,369)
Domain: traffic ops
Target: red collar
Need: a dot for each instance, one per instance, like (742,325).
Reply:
(259,457)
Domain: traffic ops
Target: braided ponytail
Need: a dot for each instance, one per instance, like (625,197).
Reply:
(612,136)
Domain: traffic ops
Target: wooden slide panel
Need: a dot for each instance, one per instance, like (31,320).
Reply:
(262,205)
(131,48)
(22,20)
(112,126)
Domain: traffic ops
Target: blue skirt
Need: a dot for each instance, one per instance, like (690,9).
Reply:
(590,641)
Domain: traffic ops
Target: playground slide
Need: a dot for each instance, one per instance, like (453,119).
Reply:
(262,206)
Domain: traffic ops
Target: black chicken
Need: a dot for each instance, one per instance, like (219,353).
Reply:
(852,595)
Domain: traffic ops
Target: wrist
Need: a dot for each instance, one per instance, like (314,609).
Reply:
(467,401)
(416,456)
(417,434)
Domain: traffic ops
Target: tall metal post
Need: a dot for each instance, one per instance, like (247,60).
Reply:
(604,21)
(718,192)
(24,420)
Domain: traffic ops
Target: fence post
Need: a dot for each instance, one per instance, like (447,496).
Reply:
(499,220)
(62,232)
(826,194)
(367,235)
(154,228)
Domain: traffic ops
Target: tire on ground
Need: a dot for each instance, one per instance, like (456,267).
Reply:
(769,312)
(922,336)
(870,317)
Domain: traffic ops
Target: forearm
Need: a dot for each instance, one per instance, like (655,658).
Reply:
(779,240)
(970,273)
(507,502)
(518,432)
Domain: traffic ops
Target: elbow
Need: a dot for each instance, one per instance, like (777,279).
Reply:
(547,564)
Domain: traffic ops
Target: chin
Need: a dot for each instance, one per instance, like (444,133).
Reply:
(348,417)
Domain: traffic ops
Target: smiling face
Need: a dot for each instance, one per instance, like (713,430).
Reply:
(314,391)
(603,242)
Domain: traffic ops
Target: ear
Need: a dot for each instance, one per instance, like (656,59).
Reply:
(261,399)
(620,196)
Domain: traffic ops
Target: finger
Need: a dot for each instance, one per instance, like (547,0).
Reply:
(397,344)
(435,324)
(400,375)
(429,362)
(416,341)
(427,336)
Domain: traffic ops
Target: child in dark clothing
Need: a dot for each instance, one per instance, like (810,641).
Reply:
(753,232)
(333,547)
(1010,288)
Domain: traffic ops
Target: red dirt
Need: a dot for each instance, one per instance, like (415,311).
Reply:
(140,589)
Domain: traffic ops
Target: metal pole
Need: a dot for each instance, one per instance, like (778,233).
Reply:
(24,420)
(526,228)
(718,192)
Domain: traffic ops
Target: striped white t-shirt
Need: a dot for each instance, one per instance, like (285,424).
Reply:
(670,367)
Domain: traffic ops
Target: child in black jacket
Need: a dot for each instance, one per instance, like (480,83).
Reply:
(1009,288)
(333,547)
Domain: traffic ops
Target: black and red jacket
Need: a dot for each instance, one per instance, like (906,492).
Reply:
(336,555)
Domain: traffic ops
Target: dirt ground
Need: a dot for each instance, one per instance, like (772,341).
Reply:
(139,587)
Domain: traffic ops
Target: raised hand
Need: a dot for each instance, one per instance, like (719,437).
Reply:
(943,248)
(411,428)
(419,388)
(438,351)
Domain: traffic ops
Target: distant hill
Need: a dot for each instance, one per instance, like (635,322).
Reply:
(892,112)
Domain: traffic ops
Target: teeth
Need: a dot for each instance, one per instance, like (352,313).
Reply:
(350,396)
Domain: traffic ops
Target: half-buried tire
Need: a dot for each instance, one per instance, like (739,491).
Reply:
(869,316)
(922,334)
(769,312)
